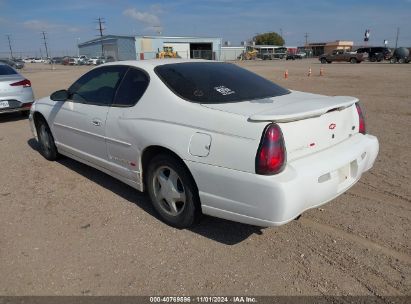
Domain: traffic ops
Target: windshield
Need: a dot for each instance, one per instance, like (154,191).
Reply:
(216,82)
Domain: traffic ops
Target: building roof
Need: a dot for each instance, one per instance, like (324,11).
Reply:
(175,37)
(108,37)
(105,37)
(330,43)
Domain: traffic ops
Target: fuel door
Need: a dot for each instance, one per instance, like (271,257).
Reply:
(200,144)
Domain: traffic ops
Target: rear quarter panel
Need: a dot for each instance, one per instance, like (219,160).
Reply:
(161,118)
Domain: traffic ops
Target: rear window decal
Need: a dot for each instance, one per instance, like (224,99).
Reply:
(223,90)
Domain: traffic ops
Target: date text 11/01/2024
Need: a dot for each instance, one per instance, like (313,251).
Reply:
(205,299)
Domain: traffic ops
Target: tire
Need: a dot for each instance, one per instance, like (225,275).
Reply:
(46,141)
(393,60)
(178,205)
(401,60)
(323,60)
(373,59)
(353,60)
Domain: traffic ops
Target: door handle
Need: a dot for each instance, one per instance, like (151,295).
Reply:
(96,122)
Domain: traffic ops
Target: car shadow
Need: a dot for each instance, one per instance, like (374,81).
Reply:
(219,230)
(10,117)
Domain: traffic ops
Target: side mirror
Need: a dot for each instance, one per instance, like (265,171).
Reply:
(61,95)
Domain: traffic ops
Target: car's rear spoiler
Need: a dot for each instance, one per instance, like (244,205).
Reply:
(303,109)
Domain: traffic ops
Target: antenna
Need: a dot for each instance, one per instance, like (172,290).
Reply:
(45,43)
(11,50)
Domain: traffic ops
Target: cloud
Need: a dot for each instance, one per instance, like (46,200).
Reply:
(73,29)
(42,25)
(38,25)
(143,17)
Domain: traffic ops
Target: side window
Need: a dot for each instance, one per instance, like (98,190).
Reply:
(97,86)
(131,88)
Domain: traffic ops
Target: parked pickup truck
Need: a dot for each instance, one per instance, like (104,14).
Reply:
(341,55)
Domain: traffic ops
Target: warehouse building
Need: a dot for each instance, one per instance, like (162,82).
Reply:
(320,48)
(119,47)
(148,47)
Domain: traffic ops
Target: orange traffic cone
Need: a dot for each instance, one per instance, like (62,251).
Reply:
(309,72)
(321,72)
(286,74)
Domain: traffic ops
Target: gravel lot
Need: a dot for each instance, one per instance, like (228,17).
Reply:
(68,229)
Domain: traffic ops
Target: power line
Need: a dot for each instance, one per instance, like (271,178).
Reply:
(11,50)
(45,44)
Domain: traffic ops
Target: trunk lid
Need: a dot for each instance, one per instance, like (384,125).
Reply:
(6,89)
(309,122)
(286,108)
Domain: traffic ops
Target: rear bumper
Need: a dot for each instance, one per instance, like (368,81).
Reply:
(17,106)
(306,183)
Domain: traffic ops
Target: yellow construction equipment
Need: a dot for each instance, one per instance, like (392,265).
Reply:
(250,54)
(167,52)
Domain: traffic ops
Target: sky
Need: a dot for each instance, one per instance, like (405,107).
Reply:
(68,22)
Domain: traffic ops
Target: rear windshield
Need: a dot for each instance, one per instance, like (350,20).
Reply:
(216,82)
(6,70)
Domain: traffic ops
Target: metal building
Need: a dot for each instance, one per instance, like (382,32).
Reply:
(320,48)
(119,47)
(147,47)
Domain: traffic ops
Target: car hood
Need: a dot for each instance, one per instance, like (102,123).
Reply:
(290,107)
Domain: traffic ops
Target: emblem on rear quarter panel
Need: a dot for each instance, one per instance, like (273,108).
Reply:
(332,126)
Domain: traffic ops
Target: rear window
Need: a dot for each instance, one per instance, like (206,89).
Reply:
(6,70)
(216,82)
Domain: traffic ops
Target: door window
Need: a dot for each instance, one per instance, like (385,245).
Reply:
(131,88)
(98,86)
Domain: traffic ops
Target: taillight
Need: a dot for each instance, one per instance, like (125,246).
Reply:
(24,83)
(361,124)
(271,155)
(27,105)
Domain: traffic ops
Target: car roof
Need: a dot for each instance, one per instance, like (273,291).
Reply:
(152,63)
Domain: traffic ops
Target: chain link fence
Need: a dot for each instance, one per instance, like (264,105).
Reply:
(31,54)
(223,55)
(194,54)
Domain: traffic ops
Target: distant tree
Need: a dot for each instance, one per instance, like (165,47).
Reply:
(271,38)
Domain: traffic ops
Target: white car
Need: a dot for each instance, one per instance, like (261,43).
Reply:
(204,137)
(92,61)
(16,94)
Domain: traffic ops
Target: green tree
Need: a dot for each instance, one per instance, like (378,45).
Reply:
(271,38)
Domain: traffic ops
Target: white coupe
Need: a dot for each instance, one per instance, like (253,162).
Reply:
(204,137)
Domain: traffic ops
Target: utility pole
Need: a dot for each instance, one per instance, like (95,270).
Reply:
(78,49)
(396,39)
(45,44)
(281,33)
(101,29)
(306,38)
(11,50)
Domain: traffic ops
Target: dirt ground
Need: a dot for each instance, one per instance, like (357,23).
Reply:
(68,229)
